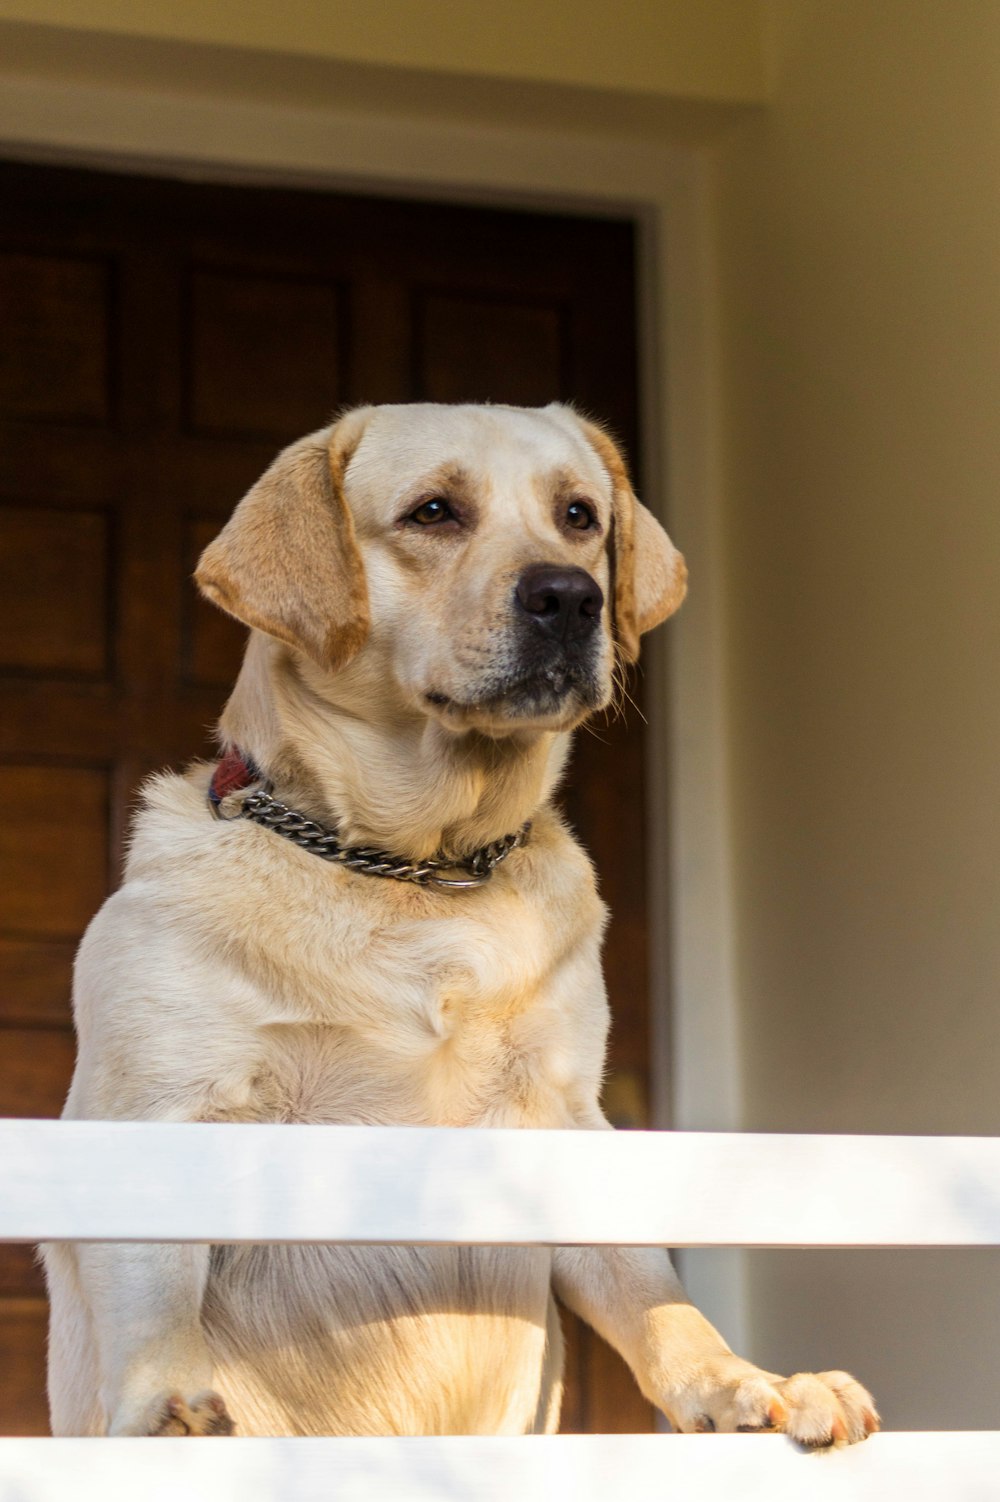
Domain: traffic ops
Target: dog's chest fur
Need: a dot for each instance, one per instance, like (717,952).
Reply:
(381,1002)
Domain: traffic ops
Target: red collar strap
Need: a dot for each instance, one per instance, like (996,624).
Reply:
(235,772)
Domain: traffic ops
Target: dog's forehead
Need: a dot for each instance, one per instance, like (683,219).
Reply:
(501,445)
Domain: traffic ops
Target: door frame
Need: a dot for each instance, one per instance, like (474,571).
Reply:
(665,187)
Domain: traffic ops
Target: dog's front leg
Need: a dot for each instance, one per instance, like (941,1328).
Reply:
(632,1297)
(155,1369)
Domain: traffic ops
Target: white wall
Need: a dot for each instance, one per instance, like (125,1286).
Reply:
(859,234)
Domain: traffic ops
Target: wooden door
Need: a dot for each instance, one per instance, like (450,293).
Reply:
(159,341)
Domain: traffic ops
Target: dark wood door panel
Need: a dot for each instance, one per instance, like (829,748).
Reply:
(264,356)
(36,1067)
(470,348)
(162,340)
(22,1361)
(53,848)
(20,1272)
(36,976)
(56,599)
(55,356)
(55,464)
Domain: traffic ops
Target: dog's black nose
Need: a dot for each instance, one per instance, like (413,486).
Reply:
(565,602)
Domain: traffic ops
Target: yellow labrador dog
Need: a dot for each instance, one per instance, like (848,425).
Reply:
(437,596)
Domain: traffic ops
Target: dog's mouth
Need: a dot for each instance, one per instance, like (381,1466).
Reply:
(562,691)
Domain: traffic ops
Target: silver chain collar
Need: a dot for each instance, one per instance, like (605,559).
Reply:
(306,833)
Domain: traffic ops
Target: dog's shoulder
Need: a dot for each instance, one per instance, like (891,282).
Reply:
(173,872)
(172,823)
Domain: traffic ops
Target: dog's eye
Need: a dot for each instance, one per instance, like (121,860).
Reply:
(431,513)
(580,516)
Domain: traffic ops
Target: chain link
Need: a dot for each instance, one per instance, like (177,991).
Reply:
(308,835)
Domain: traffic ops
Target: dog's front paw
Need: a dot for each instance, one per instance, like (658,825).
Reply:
(816,1409)
(826,1408)
(173,1414)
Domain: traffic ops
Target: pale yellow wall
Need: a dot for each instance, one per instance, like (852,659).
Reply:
(859,238)
(710,49)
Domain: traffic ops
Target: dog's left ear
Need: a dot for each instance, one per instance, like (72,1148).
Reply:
(650,575)
(287,562)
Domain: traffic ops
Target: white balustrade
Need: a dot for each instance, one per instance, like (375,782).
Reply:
(154,1181)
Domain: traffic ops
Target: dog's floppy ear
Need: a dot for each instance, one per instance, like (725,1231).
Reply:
(650,576)
(287,562)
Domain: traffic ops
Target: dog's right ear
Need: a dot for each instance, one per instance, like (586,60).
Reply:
(287,562)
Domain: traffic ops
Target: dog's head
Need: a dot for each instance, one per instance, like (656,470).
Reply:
(485,564)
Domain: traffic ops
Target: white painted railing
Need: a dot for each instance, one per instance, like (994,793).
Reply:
(134,1181)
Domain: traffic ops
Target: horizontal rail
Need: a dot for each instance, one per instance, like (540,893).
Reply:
(145,1181)
(569,1468)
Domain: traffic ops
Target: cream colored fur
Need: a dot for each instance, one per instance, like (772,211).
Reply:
(235,977)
